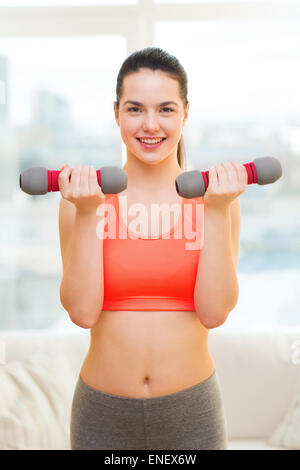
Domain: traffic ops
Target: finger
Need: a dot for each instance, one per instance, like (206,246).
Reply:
(222,175)
(75,177)
(84,179)
(213,177)
(245,174)
(64,179)
(231,172)
(93,181)
(64,166)
(242,174)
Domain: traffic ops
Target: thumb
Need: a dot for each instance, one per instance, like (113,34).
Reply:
(64,165)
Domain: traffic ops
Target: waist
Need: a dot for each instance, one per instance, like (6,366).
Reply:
(145,353)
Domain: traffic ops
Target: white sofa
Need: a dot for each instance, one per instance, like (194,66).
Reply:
(258,369)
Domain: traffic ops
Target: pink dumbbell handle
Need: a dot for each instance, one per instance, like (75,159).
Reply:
(53,179)
(251,172)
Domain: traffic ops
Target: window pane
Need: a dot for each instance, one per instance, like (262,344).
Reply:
(208,1)
(49,3)
(59,109)
(244,103)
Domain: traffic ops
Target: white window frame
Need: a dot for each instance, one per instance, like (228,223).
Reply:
(134,22)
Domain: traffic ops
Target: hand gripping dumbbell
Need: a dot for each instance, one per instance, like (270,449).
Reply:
(194,183)
(38,180)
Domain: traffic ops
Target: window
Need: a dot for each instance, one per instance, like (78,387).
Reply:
(57,87)
(49,3)
(206,1)
(59,109)
(244,92)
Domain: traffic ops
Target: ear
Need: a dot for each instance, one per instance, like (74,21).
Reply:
(186,113)
(116,113)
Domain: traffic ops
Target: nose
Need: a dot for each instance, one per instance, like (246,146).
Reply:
(150,123)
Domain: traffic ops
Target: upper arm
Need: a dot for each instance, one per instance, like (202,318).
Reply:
(67,212)
(235,213)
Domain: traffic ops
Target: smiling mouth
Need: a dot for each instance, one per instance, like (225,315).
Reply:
(164,138)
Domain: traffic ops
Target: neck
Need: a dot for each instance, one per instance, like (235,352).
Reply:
(152,178)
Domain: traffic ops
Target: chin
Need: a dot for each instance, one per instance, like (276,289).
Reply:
(151,161)
(151,158)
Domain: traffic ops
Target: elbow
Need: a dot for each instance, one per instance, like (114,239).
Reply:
(82,317)
(213,319)
(219,315)
(81,323)
(216,318)
(213,312)
(83,320)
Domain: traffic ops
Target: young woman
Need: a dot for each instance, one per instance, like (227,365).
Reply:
(148,380)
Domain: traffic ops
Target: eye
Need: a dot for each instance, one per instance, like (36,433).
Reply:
(131,109)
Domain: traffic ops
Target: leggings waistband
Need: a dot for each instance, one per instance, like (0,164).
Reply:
(199,391)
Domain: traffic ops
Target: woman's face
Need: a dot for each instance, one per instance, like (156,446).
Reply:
(150,118)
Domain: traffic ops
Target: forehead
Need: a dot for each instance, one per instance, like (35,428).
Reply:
(150,84)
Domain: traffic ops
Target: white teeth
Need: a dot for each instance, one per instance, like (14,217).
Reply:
(152,141)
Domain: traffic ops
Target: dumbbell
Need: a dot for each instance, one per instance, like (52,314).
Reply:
(38,180)
(264,170)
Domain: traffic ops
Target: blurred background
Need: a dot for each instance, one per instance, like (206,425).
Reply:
(59,62)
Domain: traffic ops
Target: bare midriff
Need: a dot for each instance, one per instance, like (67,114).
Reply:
(144,354)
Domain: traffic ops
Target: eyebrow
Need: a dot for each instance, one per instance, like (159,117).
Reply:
(137,103)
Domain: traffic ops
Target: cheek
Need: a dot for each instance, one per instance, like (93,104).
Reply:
(173,126)
(129,131)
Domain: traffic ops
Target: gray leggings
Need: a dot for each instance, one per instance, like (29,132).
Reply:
(192,418)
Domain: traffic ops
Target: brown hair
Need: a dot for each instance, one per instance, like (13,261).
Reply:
(155,58)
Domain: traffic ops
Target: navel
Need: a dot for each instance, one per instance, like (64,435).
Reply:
(146,380)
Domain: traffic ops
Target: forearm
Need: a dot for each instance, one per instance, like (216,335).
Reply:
(81,290)
(216,288)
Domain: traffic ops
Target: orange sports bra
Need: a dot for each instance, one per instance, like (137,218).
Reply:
(155,272)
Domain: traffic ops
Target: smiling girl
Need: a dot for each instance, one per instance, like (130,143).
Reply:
(149,380)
